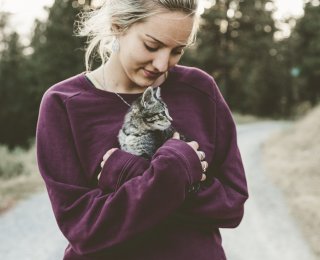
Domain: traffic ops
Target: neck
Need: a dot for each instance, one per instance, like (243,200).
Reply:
(115,79)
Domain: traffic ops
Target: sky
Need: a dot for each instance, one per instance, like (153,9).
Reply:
(24,13)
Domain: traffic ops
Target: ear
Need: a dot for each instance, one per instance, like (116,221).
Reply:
(158,93)
(118,31)
(115,28)
(147,97)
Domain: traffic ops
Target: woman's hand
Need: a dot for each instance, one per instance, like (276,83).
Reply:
(195,146)
(105,158)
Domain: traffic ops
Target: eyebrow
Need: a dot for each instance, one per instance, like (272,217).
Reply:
(184,45)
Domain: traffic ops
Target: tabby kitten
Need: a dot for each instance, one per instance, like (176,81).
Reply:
(147,125)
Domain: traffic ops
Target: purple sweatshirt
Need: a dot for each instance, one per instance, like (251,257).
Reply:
(139,209)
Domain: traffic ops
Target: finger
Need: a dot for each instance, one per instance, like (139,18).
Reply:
(108,153)
(204,165)
(102,163)
(194,145)
(176,135)
(201,155)
(204,177)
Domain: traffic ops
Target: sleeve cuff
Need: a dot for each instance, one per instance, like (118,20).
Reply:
(113,169)
(189,156)
(120,167)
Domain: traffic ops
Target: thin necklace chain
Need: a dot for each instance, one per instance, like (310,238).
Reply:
(123,99)
(104,84)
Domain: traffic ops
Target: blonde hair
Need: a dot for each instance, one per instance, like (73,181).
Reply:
(98,25)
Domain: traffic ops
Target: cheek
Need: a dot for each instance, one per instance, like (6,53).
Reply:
(133,58)
(174,60)
(136,53)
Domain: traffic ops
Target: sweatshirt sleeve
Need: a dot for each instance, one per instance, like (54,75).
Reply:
(92,220)
(220,201)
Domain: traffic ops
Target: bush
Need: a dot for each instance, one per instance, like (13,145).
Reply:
(16,162)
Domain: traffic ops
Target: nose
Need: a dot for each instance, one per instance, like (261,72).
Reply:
(161,61)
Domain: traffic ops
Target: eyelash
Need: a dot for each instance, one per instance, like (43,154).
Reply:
(155,49)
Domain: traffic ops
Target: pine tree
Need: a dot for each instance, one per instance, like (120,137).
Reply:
(256,59)
(307,53)
(211,50)
(58,54)
(13,94)
(236,46)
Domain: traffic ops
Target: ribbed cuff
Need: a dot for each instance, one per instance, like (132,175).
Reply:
(189,156)
(114,169)
(120,167)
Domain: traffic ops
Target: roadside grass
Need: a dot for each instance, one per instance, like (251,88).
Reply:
(19,176)
(292,158)
(246,119)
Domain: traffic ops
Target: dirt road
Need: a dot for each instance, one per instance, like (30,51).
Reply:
(268,232)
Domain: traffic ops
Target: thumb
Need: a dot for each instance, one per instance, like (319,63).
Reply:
(176,135)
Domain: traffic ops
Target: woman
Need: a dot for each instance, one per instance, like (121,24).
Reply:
(110,204)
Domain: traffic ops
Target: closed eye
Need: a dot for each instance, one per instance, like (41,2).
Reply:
(150,48)
(177,52)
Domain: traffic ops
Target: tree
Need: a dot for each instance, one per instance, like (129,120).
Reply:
(236,46)
(3,25)
(58,54)
(211,50)
(307,52)
(13,94)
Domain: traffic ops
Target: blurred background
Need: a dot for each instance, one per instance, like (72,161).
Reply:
(264,55)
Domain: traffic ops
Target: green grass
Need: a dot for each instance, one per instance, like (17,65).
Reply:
(245,119)
(19,176)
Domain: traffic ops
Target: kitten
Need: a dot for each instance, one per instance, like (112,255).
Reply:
(147,125)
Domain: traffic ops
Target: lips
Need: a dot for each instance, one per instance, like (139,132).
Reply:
(151,74)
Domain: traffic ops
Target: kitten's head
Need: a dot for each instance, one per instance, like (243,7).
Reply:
(152,110)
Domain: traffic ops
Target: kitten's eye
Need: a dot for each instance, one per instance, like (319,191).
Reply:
(150,48)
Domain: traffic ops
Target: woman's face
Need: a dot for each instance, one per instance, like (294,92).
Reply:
(149,49)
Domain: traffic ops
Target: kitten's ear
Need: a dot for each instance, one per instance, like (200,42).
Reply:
(158,92)
(147,97)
